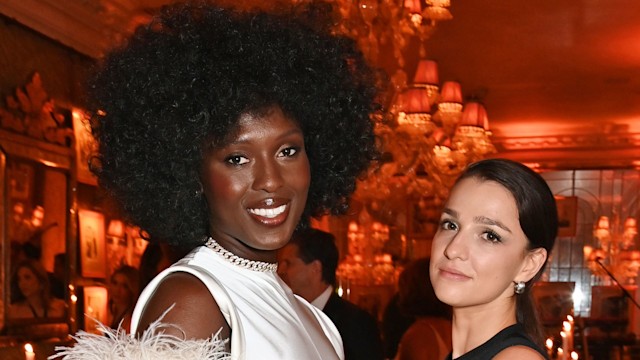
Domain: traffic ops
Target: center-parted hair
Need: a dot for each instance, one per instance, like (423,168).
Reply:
(177,87)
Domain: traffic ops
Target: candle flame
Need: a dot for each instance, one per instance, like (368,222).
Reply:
(28,348)
(549,343)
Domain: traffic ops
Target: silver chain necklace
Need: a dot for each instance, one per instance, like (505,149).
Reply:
(236,260)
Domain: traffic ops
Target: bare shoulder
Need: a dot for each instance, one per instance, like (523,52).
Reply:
(195,314)
(519,352)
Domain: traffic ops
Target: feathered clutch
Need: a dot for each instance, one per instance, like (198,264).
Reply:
(153,345)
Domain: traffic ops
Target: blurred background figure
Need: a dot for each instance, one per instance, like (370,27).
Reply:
(394,324)
(58,278)
(429,337)
(31,294)
(155,258)
(308,265)
(124,288)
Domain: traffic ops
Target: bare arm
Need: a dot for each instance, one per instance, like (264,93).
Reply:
(196,313)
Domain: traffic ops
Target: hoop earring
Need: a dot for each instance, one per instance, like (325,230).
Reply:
(518,287)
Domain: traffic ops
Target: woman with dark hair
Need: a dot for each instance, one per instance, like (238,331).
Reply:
(124,287)
(429,337)
(496,233)
(225,130)
(31,295)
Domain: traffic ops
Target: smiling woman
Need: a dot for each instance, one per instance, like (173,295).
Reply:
(496,232)
(224,131)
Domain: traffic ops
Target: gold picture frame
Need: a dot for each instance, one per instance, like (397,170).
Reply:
(95,300)
(85,147)
(92,244)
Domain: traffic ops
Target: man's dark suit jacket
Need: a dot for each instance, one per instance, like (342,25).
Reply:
(359,330)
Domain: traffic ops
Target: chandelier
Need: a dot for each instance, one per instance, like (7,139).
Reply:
(428,134)
(615,251)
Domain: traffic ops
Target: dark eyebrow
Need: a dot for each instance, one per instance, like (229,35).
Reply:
(450,212)
(487,221)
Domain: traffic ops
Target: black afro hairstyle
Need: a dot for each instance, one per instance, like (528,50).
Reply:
(182,81)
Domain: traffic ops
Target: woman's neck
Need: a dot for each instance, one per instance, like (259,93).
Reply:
(37,305)
(473,326)
(35,300)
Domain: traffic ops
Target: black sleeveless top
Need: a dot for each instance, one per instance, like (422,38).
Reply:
(510,336)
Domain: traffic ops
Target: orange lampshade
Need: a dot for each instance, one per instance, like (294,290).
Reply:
(631,223)
(415,100)
(474,114)
(413,6)
(427,72)
(451,92)
(603,222)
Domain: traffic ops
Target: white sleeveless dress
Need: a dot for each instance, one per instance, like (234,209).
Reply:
(267,320)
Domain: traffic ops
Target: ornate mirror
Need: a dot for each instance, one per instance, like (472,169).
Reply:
(37,198)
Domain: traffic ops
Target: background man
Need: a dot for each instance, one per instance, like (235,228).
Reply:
(308,265)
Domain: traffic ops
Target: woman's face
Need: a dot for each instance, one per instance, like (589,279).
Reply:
(256,185)
(28,282)
(479,248)
(119,290)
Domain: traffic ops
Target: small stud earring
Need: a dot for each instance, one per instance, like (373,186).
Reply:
(518,287)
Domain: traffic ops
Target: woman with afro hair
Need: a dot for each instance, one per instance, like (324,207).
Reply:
(225,130)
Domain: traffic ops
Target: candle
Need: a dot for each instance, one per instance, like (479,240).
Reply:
(28,352)
(549,345)
(567,327)
(561,354)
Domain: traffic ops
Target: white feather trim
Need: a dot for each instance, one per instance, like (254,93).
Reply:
(153,345)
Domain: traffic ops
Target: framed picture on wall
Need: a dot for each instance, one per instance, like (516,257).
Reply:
(609,302)
(554,301)
(85,146)
(95,307)
(567,215)
(21,180)
(92,244)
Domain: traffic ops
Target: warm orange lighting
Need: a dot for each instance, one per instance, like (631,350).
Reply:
(549,343)
(413,6)
(415,100)
(603,223)
(474,114)
(28,352)
(451,92)
(427,73)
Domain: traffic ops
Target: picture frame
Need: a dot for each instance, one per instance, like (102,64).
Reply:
(609,302)
(567,207)
(85,147)
(95,300)
(554,301)
(20,180)
(92,244)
